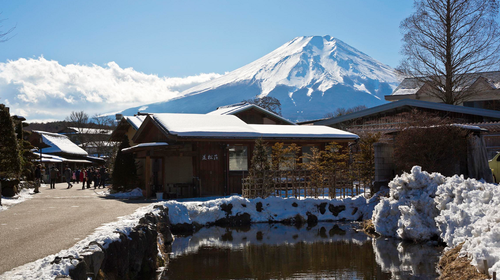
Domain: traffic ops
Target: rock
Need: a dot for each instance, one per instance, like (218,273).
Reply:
(258,206)
(226,208)
(322,208)
(238,220)
(79,272)
(297,220)
(93,256)
(335,210)
(312,220)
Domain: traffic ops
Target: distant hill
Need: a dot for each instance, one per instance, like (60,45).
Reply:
(311,76)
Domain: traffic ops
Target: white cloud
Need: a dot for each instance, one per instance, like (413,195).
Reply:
(41,89)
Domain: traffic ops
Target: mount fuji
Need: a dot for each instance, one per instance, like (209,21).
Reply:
(311,76)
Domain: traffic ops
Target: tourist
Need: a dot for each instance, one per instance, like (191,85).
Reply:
(38,178)
(90,177)
(102,173)
(77,175)
(67,175)
(53,177)
(83,177)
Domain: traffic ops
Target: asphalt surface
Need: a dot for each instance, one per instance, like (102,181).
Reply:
(54,220)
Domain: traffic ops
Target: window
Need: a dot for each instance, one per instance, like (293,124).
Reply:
(238,159)
(307,150)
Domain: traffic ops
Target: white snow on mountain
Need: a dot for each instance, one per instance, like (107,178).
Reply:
(306,61)
(313,75)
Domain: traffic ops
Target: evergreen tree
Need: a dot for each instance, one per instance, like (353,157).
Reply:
(124,170)
(10,163)
(259,174)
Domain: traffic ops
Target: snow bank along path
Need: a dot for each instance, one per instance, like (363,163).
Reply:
(193,213)
(422,206)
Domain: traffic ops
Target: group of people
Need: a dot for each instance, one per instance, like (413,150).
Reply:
(96,176)
(89,176)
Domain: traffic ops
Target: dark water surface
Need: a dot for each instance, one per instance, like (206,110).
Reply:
(275,251)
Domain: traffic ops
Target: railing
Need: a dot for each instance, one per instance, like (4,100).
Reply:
(303,183)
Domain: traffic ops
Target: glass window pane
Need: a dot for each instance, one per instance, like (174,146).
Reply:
(238,160)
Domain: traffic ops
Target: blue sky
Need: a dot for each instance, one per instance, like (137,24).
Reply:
(106,56)
(181,38)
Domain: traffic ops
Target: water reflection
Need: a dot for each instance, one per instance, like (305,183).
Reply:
(407,260)
(275,251)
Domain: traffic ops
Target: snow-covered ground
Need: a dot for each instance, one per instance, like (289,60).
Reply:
(23,195)
(458,210)
(201,212)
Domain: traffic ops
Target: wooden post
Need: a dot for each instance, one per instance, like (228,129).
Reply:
(147,171)
(485,264)
(494,275)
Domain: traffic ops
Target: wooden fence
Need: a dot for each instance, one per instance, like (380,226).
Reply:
(303,183)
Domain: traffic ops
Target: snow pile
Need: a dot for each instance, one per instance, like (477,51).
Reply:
(459,210)
(274,209)
(470,213)
(23,195)
(135,193)
(410,210)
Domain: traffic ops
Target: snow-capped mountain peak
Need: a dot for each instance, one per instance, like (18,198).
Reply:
(304,62)
(311,76)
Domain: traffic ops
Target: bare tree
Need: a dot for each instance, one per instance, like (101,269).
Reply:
(267,102)
(100,138)
(80,121)
(446,40)
(343,111)
(4,35)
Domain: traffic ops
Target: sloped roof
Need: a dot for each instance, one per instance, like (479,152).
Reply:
(229,126)
(410,86)
(135,121)
(412,103)
(88,130)
(240,107)
(59,144)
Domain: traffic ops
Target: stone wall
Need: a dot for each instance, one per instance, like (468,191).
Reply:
(136,256)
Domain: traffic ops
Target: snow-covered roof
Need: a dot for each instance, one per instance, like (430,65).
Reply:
(240,107)
(411,85)
(145,145)
(295,131)
(135,121)
(54,159)
(59,144)
(229,126)
(87,130)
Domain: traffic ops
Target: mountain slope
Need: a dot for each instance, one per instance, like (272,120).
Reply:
(311,76)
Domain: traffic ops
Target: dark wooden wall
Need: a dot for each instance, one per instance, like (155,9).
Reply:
(209,166)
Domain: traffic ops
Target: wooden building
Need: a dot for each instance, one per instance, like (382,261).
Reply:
(189,155)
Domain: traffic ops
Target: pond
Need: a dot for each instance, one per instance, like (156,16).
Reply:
(277,251)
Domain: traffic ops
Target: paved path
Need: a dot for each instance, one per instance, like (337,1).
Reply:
(54,220)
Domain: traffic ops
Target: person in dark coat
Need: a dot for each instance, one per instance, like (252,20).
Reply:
(68,174)
(90,177)
(77,175)
(102,175)
(38,178)
(53,177)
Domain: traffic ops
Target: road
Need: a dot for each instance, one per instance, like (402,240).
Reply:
(54,220)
